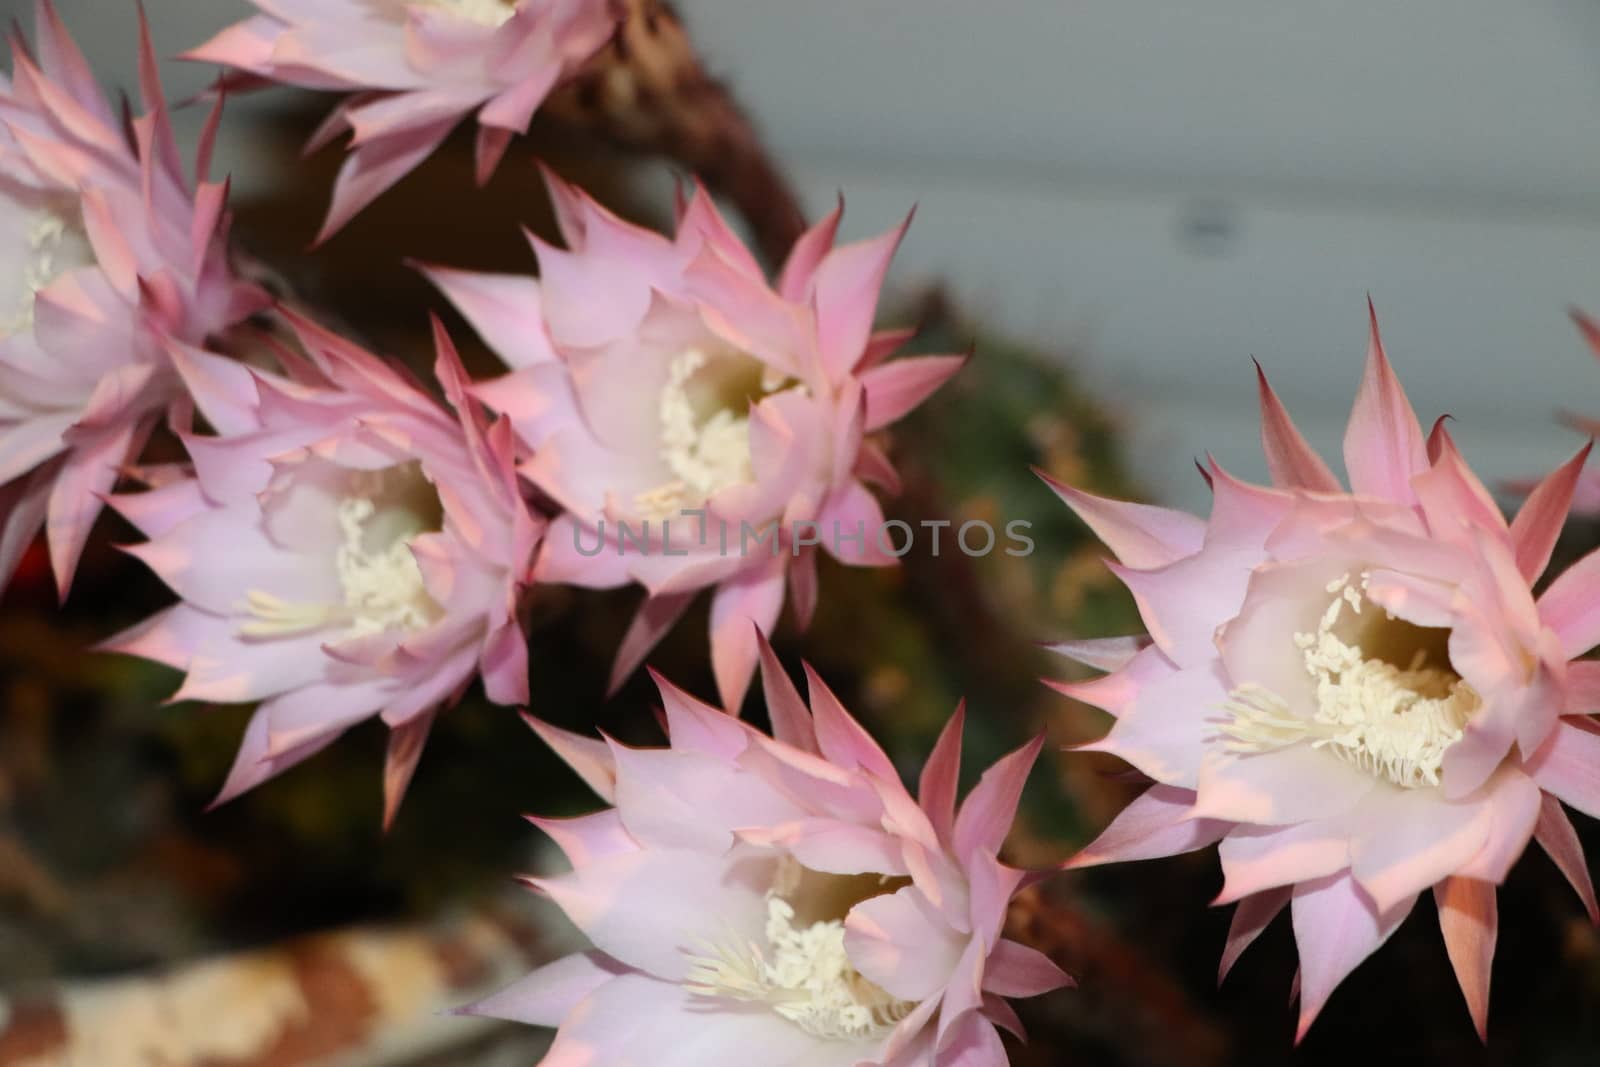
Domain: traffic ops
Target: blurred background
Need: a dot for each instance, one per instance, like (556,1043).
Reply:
(1120,204)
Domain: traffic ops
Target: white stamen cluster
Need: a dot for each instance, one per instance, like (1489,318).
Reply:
(383,588)
(706,454)
(378,573)
(51,247)
(1393,722)
(802,973)
(483,12)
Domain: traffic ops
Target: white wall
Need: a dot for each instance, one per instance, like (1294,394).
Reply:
(1178,186)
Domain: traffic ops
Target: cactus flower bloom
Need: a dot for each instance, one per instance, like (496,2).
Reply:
(412,70)
(106,254)
(346,548)
(783,898)
(1354,693)
(700,427)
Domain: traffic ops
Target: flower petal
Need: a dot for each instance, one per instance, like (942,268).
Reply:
(1294,464)
(1543,515)
(1336,926)
(1383,444)
(1141,535)
(1157,823)
(1470,923)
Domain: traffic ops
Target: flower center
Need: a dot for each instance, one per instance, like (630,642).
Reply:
(704,440)
(483,12)
(803,972)
(51,244)
(1388,700)
(377,517)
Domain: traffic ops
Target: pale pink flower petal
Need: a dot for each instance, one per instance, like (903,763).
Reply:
(700,427)
(1159,822)
(1294,463)
(1568,767)
(1383,446)
(413,71)
(1256,859)
(1544,513)
(114,255)
(1250,918)
(1337,926)
(1141,535)
(941,776)
(745,894)
(1556,836)
(1104,653)
(345,548)
(1355,694)
(554,991)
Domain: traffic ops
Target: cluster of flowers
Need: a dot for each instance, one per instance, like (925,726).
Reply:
(1356,693)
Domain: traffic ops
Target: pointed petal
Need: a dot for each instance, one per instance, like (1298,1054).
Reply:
(791,720)
(1293,463)
(490,148)
(1103,653)
(897,388)
(987,813)
(77,495)
(1251,916)
(1469,921)
(843,740)
(971,1042)
(655,617)
(941,776)
(803,588)
(64,62)
(223,389)
(23,503)
(847,284)
(253,765)
(503,308)
(1556,836)
(1568,766)
(741,607)
(1539,521)
(550,994)
(1383,445)
(1336,926)
(1157,823)
(370,170)
(794,281)
(1141,535)
(406,742)
(1000,1012)
(591,759)
(1015,970)
(1570,607)
(1453,498)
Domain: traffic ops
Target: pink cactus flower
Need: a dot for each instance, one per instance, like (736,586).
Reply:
(106,253)
(1355,693)
(345,548)
(700,427)
(781,899)
(412,71)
